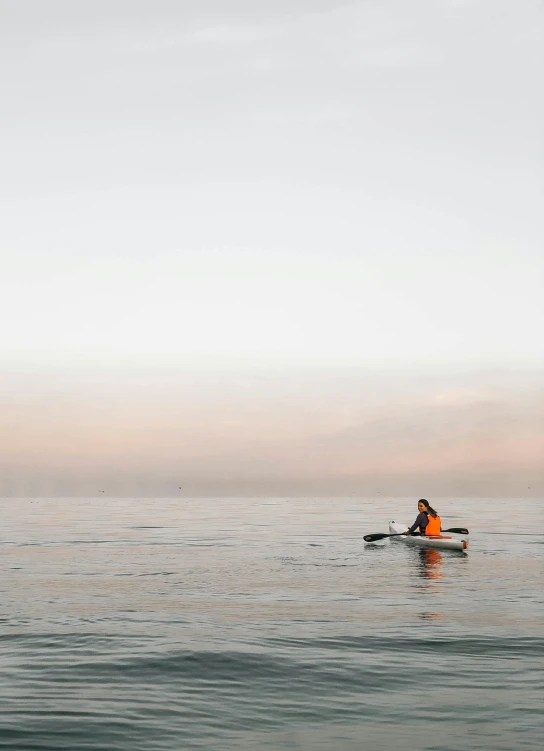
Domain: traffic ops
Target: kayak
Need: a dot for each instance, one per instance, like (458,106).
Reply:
(441,542)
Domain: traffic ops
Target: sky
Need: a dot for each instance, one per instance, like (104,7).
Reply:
(271,247)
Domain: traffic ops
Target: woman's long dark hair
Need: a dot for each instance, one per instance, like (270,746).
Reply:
(430,509)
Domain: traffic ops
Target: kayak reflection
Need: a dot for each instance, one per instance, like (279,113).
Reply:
(430,564)
(430,567)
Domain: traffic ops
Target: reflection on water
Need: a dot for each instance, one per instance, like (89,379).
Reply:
(431,616)
(430,564)
(429,567)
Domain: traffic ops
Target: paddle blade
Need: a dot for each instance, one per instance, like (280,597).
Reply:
(373,538)
(457,530)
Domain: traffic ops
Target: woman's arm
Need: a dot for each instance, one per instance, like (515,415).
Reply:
(421,522)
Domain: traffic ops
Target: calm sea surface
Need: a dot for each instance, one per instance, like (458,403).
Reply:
(151,624)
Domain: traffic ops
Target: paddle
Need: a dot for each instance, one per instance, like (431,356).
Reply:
(379,536)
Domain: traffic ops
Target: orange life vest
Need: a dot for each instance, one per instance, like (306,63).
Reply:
(433,527)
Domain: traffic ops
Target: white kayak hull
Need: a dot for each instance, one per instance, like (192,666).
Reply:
(441,542)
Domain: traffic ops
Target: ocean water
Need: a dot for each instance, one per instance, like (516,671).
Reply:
(154,624)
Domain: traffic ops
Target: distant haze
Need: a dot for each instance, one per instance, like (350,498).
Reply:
(273,432)
(271,247)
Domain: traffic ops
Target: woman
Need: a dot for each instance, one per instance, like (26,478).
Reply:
(427,520)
